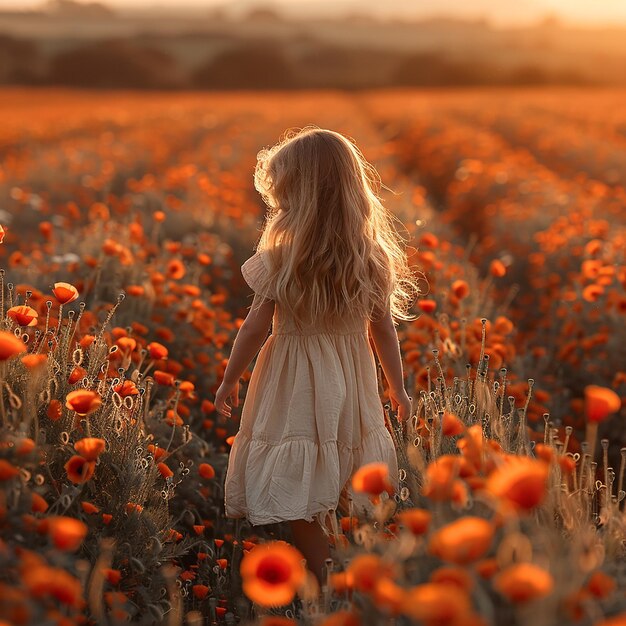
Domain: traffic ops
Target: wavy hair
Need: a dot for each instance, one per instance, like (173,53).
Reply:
(331,243)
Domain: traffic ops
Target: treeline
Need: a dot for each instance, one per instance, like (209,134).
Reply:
(254,64)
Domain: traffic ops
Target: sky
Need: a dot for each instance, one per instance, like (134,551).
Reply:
(499,12)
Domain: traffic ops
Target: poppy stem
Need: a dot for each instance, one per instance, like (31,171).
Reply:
(2,409)
(591,435)
(620,481)
(57,331)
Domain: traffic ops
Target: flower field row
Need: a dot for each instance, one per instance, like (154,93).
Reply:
(125,223)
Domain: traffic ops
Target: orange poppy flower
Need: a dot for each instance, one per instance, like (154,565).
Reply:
(373,479)
(112,575)
(54,582)
(389,596)
(591,293)
(436,603)
(66,533)
(157,350)
(89,508)
(83,401)
(10,345)
(503,325)
(164,378)
(460,289)
(32,361)
(451,425)
(2,233)
(207,406)
(454,576)
(520,482)
(8,470)
(173,419)
(165,470)
(429,240)
(428,306)
(416,520)
(600,402)
(90,448)
(200,591)
(601,585)
(497,268)
(79,469)
(472,444)
(86,341)
(157,452)
(463,541)
(38,503)
(364,570)
(206,470)
(55,410)
(135,290)
(76,374)
(487,568)
(25,445)
(64,292)
(23,315)
(523,582)
(441,481)
(175,269)
(272,572)
(126,388)
(126,344)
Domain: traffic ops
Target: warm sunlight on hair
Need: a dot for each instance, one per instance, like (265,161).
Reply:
(331,243)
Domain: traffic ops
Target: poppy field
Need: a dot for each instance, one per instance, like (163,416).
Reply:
(125,218)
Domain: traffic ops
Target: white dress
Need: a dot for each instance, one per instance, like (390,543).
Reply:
(311,417)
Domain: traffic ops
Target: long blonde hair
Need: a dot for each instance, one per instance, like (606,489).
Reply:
(331,243)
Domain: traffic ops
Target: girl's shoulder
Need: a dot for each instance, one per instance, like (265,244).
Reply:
(256,270)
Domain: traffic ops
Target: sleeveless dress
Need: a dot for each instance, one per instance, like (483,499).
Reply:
(311,417)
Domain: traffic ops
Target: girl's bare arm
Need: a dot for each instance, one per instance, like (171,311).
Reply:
(387,346)
(385,338)
(250,337)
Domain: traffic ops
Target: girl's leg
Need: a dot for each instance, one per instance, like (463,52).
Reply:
(309,538)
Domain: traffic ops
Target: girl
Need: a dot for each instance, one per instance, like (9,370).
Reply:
(328,270)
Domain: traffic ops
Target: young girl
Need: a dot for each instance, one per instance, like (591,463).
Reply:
(328,272)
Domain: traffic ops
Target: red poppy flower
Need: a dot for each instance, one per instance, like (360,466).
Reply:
(10,345)
(373,479)
(83,401)
(600,402)
(462,541)
(272,572)
(90,448)
(523,582)
(206,471)
(23,315)
(79,469)
(67,533)
(64,292)
(157,350)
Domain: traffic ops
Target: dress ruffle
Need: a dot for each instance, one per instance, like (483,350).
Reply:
(299,478)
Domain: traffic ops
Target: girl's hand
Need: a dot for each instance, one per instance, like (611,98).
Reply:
(401,401)
(224,393)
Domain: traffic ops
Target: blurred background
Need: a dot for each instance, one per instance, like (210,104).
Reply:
(300,44)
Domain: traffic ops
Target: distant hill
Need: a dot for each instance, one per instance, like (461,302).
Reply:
(199,49)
